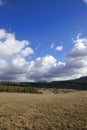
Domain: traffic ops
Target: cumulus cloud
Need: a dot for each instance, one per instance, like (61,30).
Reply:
(27,51)
(42,68)
(9,46)
(79,50)
(13,56)
(85,1)
(59,48)
(14,65)
(77,56)
(52,69)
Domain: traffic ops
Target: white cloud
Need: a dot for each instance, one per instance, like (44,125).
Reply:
(52,69)
(13,54)
(59,48)
(42,68)
(85,1)
(27,51)
(9,46)
(79,49)
(14,65)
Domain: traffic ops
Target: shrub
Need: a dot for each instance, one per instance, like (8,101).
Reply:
(18,89)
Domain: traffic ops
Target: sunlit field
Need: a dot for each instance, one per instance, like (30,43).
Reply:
(47,111)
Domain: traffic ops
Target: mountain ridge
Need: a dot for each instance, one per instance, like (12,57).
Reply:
(79,84)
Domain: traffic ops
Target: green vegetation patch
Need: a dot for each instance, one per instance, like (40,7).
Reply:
(18,89)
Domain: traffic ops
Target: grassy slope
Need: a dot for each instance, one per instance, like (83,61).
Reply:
(48,111)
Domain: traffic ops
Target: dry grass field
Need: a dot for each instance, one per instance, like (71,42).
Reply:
(47,111)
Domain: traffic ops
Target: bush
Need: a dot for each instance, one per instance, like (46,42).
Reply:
(18,89)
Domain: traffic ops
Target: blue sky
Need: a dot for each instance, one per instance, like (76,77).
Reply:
(50,26)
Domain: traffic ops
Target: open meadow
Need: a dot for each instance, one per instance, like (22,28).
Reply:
(47,111)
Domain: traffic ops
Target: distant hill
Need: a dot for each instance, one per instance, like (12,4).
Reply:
(82,79)
(79,84)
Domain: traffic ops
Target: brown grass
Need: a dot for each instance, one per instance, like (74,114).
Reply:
(47,111)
